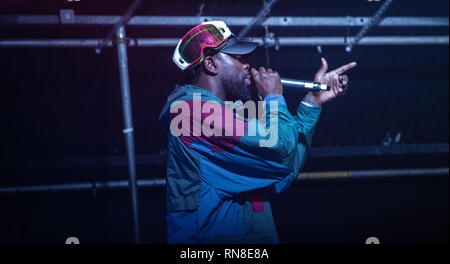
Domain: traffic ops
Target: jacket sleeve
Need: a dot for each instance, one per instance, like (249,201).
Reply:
(267,153)
(306,118)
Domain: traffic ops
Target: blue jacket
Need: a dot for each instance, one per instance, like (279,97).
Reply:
(219,186)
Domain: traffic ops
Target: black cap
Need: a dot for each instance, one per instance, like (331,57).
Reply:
(237,46)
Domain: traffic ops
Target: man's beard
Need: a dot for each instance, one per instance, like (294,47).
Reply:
(236,89)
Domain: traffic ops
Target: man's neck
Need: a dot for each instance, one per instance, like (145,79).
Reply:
(212,86)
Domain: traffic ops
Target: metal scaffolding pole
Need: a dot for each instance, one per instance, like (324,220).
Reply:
(257,19)
(372,173)
(128,123)
(122,22)
(119,31)
(274,21)
(373,22)
(82,186)
(341,41)
(283,41)
(162,182)
(159,158)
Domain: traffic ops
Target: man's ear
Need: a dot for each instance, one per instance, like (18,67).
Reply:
(211,65)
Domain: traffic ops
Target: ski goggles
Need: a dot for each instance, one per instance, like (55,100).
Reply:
(189,51)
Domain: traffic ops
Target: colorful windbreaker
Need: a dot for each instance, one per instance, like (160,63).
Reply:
(223,168)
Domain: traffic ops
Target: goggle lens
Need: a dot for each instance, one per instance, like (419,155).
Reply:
(193,43)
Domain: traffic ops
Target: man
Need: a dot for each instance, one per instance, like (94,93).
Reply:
(220,172)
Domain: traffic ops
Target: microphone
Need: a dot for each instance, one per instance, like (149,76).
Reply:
(306,85)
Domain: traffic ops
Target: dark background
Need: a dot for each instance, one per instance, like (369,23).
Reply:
(64,103)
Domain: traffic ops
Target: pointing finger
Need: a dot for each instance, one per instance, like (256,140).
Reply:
(344,68)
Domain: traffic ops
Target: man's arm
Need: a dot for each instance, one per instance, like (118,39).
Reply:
(249,164)
(308,114)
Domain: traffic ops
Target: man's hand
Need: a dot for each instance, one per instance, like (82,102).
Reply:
(336,80)
(267,82)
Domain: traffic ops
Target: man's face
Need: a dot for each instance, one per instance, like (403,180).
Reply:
(235,78)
